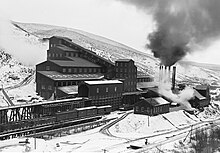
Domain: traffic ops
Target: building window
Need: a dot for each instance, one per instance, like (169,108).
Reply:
(97,90)
(69,70)
(94,70)
(47,68)
(67,54)
(49,55)
(90,70)
(80,70)
(43,87)
(142,109)
(64,70)
(49,87)
(85,70)
(75,70)
(106,89)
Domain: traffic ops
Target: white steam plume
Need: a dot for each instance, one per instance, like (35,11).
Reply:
(182,98)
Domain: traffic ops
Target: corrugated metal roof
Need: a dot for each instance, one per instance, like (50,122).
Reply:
(103,82)
(75,62)
(54,75)
(69,89)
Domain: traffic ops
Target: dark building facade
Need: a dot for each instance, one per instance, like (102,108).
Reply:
(126,71)
(152,106)
(201,97)
(106,92)
(69,64)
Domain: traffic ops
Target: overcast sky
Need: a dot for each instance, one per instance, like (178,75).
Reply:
(109,18)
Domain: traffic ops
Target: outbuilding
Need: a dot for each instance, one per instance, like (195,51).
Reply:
(152,106)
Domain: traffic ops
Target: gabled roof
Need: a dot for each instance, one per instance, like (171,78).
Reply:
(54,75)
(156,101)
(69,89)
(75,62)
(103,82)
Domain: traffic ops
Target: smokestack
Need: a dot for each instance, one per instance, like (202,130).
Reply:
(169,74)
(173,77)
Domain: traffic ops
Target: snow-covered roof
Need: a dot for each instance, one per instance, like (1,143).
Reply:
(103,82)
(54,75)
(106,106)
(123,60)
(146,84)
(201,87)
(85,108)
(156,101)
(69,89)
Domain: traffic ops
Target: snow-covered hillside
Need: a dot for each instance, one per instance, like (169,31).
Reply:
(113,50)
(27,46)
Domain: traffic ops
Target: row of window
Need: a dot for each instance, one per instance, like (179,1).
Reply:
(106,97)
(55,55)
(150,110)
(71,54)
(49,87)
(81,70)
(66,83)
(128,83)
(125,70)
(52,45)
(145,79)
(122,64)
(106,89)
(122,75)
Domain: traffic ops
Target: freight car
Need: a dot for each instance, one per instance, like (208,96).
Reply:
(85,112)
(76,114)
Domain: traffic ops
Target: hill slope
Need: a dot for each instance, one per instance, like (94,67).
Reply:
(32,37)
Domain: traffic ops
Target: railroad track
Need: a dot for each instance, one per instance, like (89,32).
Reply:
(24,82)
(105,129)
(48,127)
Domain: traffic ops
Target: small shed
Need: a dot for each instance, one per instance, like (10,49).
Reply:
(199,101)
(152,106)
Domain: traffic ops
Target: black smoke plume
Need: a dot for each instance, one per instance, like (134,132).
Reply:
(181,25)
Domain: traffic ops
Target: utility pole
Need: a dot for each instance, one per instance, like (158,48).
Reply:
(148,120)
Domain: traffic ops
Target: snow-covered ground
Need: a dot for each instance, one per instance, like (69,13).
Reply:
(133,126)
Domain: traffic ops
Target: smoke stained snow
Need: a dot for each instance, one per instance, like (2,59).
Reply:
(181,26)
